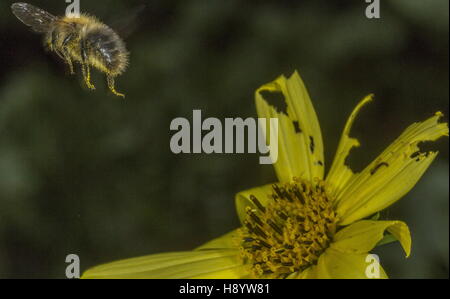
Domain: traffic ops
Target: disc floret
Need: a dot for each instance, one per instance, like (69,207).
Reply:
(289,233)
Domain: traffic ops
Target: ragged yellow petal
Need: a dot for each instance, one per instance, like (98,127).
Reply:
(337,265)
(224,263)
(300,146)
(340,173)
(392,174)
(226,241)
(244,199)
(362,236)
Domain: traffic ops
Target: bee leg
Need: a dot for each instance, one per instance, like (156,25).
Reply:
(62,51)
(60,54)
(68,61)
(110,80)
(85,67)
(55,49)
(64,55)
(65,52)
(87,75)
(52,42)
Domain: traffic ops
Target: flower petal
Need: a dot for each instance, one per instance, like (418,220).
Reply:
(338,265)
(243,199)
(340,173)
(308,273)
(300,147)
(364,235)
(222,242)
(189,264)
(392,174)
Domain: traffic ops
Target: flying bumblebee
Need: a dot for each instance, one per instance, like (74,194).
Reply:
(82,39)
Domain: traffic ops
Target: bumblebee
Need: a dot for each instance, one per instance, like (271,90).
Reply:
(82,39)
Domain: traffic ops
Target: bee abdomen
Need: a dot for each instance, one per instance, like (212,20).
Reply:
(107,50)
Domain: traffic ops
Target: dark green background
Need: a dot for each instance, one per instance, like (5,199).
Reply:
(88,173)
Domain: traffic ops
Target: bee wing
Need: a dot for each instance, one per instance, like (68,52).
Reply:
(128,22)
(38,19)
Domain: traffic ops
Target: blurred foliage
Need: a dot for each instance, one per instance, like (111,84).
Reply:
(88,173)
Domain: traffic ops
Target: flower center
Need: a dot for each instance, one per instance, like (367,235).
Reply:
(289,233)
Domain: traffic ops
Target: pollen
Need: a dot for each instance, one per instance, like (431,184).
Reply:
(290,232)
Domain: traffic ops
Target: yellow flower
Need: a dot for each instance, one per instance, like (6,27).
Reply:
(306,225)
